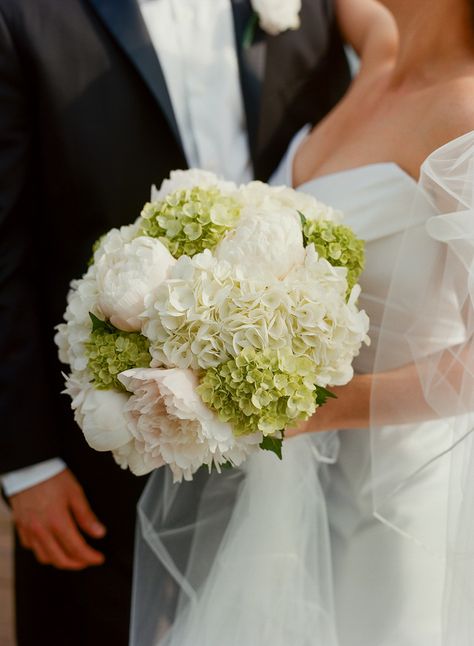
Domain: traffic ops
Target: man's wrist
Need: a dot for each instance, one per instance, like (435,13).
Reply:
(21,479)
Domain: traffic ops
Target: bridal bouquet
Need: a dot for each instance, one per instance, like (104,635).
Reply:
(215,321)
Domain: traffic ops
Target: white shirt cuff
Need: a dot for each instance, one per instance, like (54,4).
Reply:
(22,479)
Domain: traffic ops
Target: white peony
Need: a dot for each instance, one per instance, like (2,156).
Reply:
(187,179)
(260,196)
(75,332)
(267,243)
(277,15)
(126,274)
(127,457)
(82,299)
(99,413)
(115,239)
(171,425)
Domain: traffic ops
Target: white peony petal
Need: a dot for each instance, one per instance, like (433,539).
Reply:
(102,419)
(126,276)
(170,424)
(264,243)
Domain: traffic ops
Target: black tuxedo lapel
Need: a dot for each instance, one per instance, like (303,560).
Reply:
(125,22)
(252,68)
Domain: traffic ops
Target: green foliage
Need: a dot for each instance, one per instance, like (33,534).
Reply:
(274,444)
(337,244)
(250,29)
(111,351)
(322,395)
(261,390)
(191,220)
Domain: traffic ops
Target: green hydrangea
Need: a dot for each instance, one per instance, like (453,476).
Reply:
(263,391)
(111,351)
(338,244)
(191,220)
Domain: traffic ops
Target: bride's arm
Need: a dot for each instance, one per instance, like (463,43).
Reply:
(401,396)
(369,28)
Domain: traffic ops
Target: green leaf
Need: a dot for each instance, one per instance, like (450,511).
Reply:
(270,443)
(322,395)
(303,218)
(303,224)
(101,326)
(250,29)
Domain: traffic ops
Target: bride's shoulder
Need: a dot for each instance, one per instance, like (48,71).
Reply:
(452,110)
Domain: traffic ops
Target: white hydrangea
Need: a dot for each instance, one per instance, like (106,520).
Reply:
(277,15)
(259,196)
(171,425)
(126,274)
(187,179)
(324,326)
(267,242)
(208,311)
(180,320)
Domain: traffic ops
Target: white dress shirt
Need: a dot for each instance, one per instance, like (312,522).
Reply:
(195,42)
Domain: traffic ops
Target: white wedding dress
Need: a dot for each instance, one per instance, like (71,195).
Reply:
(388,591)
(350,540)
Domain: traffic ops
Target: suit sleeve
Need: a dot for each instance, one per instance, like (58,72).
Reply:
(28,429)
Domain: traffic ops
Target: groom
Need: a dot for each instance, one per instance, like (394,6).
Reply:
(99,99)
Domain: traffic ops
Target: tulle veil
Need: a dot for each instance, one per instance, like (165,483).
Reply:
(244,557)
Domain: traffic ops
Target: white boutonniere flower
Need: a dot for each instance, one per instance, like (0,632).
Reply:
(276,16)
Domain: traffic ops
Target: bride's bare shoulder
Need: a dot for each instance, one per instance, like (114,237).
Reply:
(452,111)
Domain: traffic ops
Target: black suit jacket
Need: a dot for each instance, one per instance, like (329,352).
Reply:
(86,126)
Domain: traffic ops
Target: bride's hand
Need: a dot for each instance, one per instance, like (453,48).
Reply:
(350,409)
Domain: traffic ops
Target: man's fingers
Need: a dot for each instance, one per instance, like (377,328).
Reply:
(48,517)
(84,516)
(74,545)
(39,552)
(24,538)
(54,553)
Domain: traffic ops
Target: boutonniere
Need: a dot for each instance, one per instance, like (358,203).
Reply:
(273,16)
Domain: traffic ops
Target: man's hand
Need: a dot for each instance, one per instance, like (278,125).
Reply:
(47,517)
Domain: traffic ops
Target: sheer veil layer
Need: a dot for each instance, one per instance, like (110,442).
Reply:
(252,567)
(423,388)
